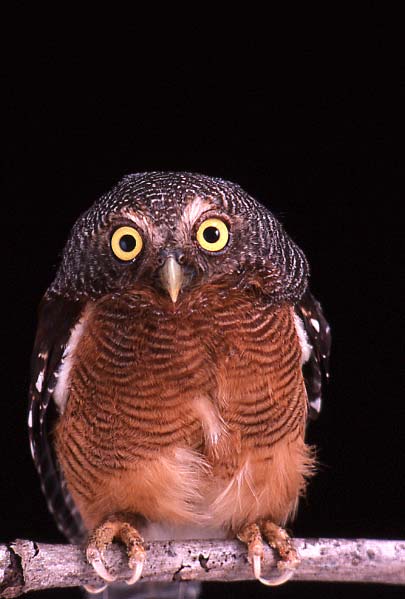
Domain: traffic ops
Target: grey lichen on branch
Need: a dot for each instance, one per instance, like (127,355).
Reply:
(28,566)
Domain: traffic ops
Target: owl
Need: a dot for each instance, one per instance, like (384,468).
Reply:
(178,358)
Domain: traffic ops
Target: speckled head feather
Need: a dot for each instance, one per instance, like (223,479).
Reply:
(166,207)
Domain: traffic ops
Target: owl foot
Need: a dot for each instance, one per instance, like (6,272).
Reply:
(277,538)
(119,527)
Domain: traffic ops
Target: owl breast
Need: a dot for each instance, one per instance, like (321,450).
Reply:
(191,413)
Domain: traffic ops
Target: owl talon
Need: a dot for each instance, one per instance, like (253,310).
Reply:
(277,538)
(94,590)
(121,528)
(137,567)
(273,582)
(257,566)
(135,551)
(95,559)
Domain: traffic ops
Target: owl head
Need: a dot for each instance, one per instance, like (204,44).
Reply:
(175,232)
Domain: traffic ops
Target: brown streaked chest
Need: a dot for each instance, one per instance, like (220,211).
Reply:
(146,375)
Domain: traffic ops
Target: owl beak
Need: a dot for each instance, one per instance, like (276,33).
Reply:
(171,277)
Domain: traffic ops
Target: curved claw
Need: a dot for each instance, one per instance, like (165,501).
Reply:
(137,572)
(257,566)
(94,590)
(274,582)
(96,561)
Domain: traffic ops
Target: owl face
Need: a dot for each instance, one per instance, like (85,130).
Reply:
(171,232)
(176,255)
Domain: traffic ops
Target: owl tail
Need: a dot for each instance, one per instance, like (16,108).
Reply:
(150,590)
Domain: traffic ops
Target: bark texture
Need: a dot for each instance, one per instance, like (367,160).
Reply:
(28,566)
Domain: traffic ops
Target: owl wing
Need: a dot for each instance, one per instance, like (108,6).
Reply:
(57,318)
(316,369)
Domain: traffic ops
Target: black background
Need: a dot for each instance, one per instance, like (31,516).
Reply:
(306,113)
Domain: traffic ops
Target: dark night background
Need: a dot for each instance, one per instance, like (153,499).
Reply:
(310,123)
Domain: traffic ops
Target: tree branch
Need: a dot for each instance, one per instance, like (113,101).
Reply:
(27,566)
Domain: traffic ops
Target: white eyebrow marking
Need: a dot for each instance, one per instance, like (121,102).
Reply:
(315,324)
(194,209)
(146,225)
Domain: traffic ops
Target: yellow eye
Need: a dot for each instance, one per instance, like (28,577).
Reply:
(213,235)
(126,243)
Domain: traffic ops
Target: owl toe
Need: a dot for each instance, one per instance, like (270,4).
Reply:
(278,539)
